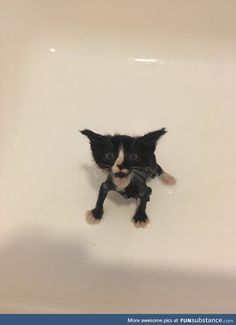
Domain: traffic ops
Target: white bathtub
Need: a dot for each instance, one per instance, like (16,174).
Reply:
(127,66)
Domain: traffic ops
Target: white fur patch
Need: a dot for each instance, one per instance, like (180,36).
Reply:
(121,183)
(167,179)
(119,161)
(91,219)
(141,224)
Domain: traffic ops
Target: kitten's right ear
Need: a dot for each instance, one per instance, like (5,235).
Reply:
(150,139)
(94,138)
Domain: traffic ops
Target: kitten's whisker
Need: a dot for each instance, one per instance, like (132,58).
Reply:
(138,179)
(139,172)
(139,168)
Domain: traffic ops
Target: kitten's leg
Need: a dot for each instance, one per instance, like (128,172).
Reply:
(140,218)
(164,177)
(94,216)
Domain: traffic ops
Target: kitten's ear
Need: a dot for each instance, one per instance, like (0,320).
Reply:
(95,138)
(150,139)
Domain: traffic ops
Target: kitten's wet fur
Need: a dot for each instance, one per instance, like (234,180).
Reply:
(129,162)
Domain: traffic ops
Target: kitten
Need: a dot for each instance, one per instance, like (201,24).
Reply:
(129,162)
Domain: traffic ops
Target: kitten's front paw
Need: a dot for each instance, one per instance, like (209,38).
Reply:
(167,179)
(140,220)
(94,216)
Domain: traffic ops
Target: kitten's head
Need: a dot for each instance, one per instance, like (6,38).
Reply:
(122,155)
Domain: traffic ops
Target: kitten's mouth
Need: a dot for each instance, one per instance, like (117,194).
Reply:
(120,175)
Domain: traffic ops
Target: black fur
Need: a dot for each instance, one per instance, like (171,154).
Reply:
(139,160)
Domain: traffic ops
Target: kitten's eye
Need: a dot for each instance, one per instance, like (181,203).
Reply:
(109,155)
(133,156)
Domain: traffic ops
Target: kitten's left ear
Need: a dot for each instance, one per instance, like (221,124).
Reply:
(95,138)
(150,139)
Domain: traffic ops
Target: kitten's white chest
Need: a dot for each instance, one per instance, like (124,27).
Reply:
(121,183)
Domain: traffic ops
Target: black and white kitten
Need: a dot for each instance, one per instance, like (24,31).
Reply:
(129,162)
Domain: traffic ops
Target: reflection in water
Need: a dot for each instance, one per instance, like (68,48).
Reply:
(149,60)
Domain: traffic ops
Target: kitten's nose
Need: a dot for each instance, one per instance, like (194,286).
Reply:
(119,166)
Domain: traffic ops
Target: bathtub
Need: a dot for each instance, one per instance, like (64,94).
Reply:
(127,67)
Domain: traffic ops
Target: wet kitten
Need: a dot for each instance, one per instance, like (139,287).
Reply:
(129,162)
